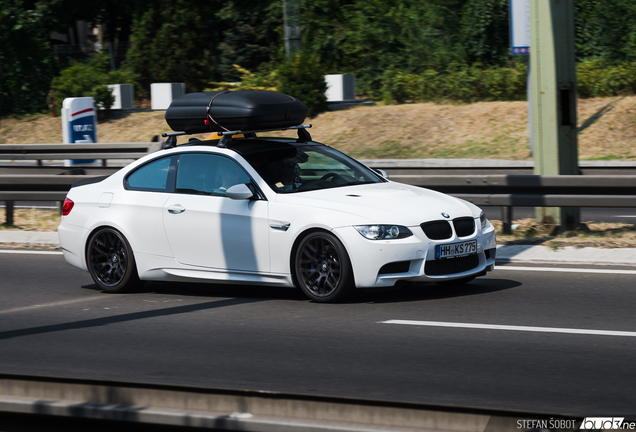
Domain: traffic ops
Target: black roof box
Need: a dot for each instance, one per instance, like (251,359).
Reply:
(234,110)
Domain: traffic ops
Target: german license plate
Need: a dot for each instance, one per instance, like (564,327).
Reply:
(455,250)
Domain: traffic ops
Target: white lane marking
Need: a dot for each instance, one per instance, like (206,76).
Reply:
(565,270)
(58,303)
(9,251)
(513,328)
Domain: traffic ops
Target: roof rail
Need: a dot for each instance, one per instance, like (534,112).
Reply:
(172,139)
(226,137)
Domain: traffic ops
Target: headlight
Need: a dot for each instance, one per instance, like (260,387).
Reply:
(383,232)
(482,219)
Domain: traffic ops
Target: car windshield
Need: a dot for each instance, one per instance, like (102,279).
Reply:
(291,168)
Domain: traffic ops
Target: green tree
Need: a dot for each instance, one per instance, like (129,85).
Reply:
(326,25)
(89,79)
(115,16)
(176,42)
(250,33)
(303,78)
(402,35)
(485,31)
(606,29)
(26,61)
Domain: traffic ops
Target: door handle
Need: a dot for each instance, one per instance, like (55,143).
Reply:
(176,209)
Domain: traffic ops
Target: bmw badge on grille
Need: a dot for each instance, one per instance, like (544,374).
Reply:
(446,215)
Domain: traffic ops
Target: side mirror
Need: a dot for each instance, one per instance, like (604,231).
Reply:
(382,173)
(239,192)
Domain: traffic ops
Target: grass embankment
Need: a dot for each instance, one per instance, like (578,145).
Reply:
(484,130)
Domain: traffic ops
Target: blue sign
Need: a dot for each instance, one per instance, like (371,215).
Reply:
(82,130)
(79,124)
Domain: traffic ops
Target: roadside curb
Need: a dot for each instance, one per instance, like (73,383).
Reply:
(537,254)
(29,239)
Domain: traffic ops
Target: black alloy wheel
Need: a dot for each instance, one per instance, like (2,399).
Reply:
(111,262)
(322,268)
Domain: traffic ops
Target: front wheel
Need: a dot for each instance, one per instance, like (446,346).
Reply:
(111,262)
(322,268)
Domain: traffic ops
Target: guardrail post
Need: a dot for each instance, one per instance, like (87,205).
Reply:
(553,87)
(9,213)
(506,218)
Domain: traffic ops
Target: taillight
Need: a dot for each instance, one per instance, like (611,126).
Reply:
(67,207)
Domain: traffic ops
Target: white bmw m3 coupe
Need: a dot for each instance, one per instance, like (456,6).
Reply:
(269,211)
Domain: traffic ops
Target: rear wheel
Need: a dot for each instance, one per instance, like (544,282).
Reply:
(322,268)
(111,262)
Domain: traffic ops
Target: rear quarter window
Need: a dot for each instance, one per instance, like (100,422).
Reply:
(155,176)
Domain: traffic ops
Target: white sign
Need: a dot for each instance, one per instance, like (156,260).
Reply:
(520,26)
(162,94)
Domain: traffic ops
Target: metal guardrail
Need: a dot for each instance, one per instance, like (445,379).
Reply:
(508,191)
(533,190)
(18,184)
(103,151)
(504,190)
(241,410)
(490,166)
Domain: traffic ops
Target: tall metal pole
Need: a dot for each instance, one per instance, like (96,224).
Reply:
(291,14)
(553,82)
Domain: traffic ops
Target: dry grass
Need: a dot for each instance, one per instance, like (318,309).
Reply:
(44,129)
(484,130)
(607,128)
(592,234)
(33,219)
(481,130)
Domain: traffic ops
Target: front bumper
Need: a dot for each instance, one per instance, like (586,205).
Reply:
(382,263)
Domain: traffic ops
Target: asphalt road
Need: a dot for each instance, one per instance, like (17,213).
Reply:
(55,322)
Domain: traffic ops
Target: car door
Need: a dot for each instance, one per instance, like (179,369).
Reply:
(139,211)
(205,228)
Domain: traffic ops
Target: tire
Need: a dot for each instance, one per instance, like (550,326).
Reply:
(322,268)
(456,282)
(111,262)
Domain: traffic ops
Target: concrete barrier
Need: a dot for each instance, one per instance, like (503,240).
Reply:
(237,410)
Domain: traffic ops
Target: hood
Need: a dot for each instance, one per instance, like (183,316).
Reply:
(383,203)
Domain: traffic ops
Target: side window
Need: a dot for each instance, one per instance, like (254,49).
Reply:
(208,174)
(153,176)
